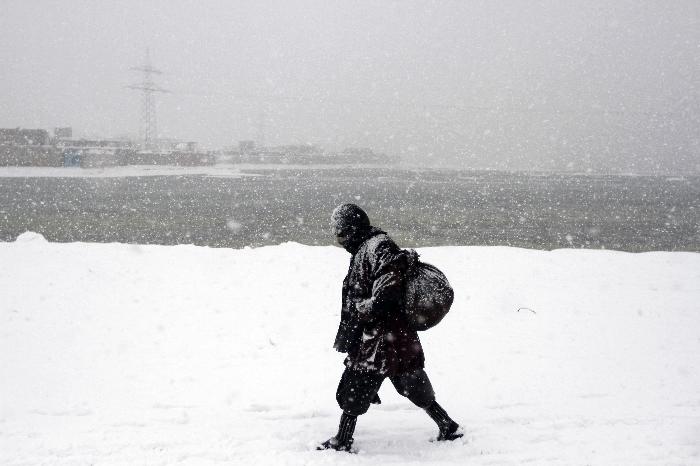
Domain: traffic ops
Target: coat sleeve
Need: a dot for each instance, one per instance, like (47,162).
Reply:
(388,270)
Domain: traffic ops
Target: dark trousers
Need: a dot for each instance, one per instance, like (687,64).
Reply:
(357,389)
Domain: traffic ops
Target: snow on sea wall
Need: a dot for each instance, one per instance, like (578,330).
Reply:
(124,354)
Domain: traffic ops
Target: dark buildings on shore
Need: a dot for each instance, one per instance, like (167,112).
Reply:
(36,147)
(24,137)
(302,154)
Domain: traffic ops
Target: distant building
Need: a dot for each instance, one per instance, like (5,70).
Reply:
(63,133)
(301,154)
(24,137)
(246,147)
(34,147)
(169,158)
(169,145)
(107,143)
(27,147)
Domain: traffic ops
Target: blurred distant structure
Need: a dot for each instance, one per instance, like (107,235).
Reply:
(27,147)
(36,147)
(64,132)
(246,148)
(302,154)
(148,87)
(19,136)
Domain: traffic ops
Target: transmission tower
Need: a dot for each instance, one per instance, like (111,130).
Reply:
(149,128)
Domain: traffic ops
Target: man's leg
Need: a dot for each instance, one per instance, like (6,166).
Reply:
(416,387)
(356,391)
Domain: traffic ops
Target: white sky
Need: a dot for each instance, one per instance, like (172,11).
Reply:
(515,84)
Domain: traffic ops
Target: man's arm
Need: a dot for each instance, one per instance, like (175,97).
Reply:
(389,264)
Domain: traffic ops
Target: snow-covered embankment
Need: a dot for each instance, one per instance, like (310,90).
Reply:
(124,354)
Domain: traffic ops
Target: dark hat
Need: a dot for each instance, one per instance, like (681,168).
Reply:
(349,215)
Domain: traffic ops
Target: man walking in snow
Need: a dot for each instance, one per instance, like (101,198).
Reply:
(374,332)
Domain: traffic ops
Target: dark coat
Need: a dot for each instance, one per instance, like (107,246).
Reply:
(373,330)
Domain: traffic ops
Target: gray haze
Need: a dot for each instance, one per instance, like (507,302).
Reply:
(574,85)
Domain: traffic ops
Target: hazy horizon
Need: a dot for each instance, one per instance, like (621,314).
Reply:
(514,84)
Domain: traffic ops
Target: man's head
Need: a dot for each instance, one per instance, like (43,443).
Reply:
(349,223)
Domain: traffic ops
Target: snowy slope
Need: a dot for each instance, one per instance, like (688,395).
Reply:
(125,354)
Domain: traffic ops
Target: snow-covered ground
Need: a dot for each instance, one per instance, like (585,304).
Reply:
(126,354)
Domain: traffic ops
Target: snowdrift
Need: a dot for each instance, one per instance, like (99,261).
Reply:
(127,354)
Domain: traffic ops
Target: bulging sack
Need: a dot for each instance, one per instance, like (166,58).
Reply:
(428,294)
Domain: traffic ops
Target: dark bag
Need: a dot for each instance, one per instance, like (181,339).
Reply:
(428,294)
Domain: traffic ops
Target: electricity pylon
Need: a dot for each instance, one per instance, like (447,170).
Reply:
(149,122)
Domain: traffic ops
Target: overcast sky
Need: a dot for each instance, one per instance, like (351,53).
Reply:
(508,84)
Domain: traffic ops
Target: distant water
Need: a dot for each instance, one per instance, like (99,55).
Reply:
(418,208)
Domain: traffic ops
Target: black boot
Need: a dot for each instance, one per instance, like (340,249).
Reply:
(449,429)
(343,439)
